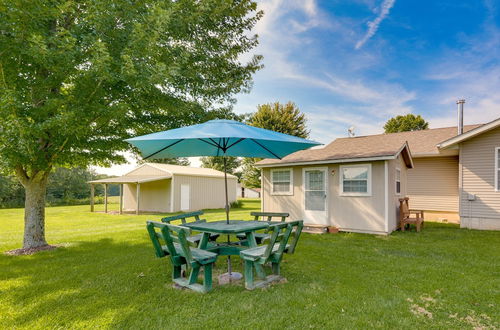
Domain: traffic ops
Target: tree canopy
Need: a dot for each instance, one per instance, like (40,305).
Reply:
(182,161)
(284,118)
(405,123)
(78,77)
(217,163)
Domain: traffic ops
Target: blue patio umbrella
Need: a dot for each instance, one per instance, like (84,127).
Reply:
(219,138)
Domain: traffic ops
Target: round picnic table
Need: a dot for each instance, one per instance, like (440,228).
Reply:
(234,227)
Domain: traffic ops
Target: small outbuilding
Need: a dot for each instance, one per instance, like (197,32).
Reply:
(154,187)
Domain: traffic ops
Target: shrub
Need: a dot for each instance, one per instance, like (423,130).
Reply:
(236,204)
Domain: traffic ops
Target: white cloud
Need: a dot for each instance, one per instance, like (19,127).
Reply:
(373,25)
(283,35)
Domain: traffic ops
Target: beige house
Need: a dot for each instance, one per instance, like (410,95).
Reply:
(348,184)
(478,175)
(445,170)
(154,187)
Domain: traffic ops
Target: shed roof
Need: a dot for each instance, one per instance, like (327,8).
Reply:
(132,179)
(187,170)
(421,143)
(166,170)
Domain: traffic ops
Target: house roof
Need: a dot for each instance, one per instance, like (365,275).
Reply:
(470,134)
(345,150)
(372,147)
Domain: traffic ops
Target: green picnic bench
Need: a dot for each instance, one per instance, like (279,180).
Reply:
(265,216)
(184,217)
(176,246)
(281,233)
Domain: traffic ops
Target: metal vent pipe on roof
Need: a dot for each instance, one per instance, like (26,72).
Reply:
(460,124)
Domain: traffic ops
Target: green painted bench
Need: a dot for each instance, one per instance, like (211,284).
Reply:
(184,217)
(170,240)
(272,253)
(265,216)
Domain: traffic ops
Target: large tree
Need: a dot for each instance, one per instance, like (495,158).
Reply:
(405,123)
(78,77)
(284,118)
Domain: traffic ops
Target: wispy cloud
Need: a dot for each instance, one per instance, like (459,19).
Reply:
(351,98)
(385,8)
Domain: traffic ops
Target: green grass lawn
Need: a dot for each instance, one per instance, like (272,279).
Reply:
(106,276)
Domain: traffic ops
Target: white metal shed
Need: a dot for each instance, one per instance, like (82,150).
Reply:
(154,187)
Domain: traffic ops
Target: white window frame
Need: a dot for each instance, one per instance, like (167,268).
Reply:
(398,170)
(497,169)
(368,181)
(290,189)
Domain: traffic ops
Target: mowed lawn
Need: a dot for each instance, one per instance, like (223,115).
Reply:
(105,275)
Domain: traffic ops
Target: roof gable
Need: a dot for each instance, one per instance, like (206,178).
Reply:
(470,134)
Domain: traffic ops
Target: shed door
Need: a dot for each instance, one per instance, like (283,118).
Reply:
(185,197)
(315,195)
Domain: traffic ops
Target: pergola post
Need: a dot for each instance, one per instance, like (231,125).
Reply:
(105,198)
(121,198)
(91,197)
(138,195)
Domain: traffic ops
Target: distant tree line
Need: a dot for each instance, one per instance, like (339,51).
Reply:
(65,187)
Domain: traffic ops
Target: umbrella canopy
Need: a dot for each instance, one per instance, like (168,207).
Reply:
(219,138)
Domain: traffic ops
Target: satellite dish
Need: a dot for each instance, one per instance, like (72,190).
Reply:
(350,131)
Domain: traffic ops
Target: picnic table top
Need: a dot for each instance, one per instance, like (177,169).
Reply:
(234,226)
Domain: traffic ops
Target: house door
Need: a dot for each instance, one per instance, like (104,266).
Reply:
(185,197)
(315,195)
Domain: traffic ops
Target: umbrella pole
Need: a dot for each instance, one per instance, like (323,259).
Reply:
(227,216)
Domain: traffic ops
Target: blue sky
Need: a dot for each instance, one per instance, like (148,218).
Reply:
(360,62)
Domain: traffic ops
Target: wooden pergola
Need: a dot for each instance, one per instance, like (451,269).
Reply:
(121,180)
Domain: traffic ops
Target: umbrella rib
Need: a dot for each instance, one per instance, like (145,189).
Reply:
(263,147)
(235,143)
(212,144)
(170,145)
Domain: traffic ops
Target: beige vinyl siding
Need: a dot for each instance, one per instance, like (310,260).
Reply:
(205,192)
(154,196)
(393,211)
(292,203)
(349,213)
(129,199)
(364,214)
(477,161)
(433,184)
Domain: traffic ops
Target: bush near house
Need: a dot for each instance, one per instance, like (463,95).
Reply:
(105,275)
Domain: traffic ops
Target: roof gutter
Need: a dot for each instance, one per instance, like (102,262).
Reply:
(329,161)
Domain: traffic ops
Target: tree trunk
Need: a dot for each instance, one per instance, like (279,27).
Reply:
(34,213)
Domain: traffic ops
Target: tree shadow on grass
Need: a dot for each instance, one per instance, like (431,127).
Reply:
(86,283)
(94,284)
